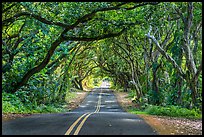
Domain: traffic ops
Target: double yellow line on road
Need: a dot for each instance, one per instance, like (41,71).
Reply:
(85,116)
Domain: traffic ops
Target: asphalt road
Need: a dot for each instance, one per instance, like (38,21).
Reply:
(99,114)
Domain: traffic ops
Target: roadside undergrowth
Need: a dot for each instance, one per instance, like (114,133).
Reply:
(162,119)
(13,106)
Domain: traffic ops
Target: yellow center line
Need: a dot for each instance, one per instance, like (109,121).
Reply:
(81,124)
(98,105)
(83,121)
(96,111)
(74,124)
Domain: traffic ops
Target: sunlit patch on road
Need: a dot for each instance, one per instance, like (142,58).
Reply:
(83,106)
(131,120)
(109,101)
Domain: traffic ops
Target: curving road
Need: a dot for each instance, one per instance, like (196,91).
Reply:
(99,114)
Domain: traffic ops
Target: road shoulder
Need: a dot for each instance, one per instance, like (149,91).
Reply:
(162,124)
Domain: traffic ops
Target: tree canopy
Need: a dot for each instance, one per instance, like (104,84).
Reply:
(151,48)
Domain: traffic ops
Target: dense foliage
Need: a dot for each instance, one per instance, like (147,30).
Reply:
(152,49)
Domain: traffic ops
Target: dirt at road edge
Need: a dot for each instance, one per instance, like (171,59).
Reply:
(162,124)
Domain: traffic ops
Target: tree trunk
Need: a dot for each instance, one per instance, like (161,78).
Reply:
(179,85)
(155,85)
(37,69)
(80,85)
(193,89)
(75,84)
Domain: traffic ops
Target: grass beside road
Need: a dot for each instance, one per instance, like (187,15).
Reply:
(172,111)
(13,107)
(125,99)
